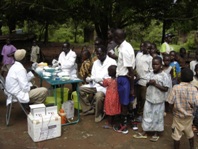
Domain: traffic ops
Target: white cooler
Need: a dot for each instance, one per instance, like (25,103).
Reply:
(44,128)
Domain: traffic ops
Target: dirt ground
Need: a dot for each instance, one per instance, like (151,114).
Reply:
(85,135)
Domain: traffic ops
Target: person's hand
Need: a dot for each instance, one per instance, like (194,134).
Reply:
(132,92)
(88,79)
(152,82)
(98,80)
(10,55)
(32,87)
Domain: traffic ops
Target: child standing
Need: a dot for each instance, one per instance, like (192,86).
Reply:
(112,105)
(85,69)
(176,68)
(194,62)
(169,71)
(35,51)
(184,98)
(153,115)
(143,68)
(194,82)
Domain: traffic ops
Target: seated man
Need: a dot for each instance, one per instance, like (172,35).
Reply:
(98,72)
(18,83)
(67,60)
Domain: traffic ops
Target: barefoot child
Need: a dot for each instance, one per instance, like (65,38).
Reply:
(153,114)
(169,70)
(112,105)
(183,97)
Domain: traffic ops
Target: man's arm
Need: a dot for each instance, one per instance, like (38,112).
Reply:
(131,78)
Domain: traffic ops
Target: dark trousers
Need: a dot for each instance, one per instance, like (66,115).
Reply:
(141,97)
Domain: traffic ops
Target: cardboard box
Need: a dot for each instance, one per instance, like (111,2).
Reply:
(51,110)
(44,128)
(37,110)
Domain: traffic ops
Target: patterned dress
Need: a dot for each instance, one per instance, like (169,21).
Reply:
(85,69)
(153,115)
(111,104)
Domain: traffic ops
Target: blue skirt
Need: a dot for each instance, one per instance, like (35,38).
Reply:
(124,89)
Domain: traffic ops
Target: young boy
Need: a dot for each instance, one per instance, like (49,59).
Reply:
(183,97)
(35,50)
(143,68)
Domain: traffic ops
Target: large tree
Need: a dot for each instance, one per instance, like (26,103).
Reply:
(103,14)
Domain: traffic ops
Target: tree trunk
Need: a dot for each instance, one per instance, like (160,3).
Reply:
(75,31)
(88,34)
(163,30)
(101,30)
(11,24)
(46,32)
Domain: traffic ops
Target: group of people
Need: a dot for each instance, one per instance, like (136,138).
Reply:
(115,77)
(17,80)
(155,78)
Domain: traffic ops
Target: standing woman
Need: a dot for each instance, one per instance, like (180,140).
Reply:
(8,57)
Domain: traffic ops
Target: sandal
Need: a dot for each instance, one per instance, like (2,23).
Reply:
(154,138)
(139,136)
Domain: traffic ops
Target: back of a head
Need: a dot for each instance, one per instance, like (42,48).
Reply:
(87,53)
(186,75)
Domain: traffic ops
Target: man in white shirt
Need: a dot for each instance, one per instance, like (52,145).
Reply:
(67,60)
(125,76)
(98,72)
(18,84)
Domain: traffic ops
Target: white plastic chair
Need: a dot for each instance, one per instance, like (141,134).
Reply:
(9,106)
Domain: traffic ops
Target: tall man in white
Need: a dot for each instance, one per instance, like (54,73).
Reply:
(125,77)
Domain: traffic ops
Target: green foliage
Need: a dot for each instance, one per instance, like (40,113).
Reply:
(5,30)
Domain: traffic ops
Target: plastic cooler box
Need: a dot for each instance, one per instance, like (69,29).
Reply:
(50,100)
(44,128)
(74,97)
(65,93)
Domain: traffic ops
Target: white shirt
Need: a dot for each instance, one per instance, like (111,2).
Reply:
(17,83)
(100,70)
(143,67)
(67,62)
(34,53)
(126,58)
(192,65)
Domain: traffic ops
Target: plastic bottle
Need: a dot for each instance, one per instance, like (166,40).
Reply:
(63,116)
